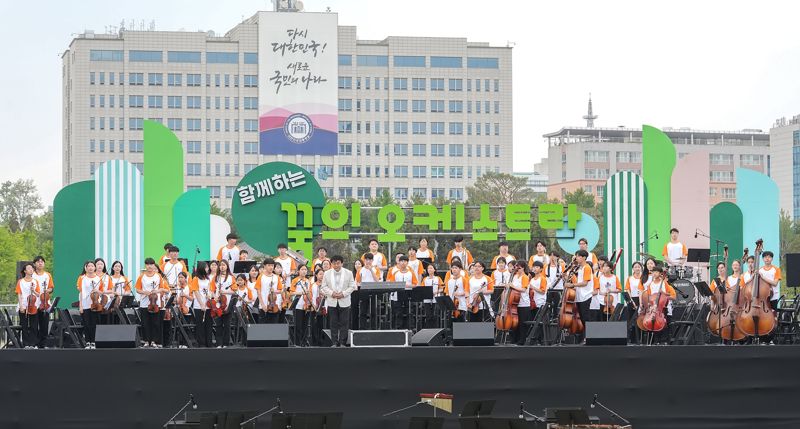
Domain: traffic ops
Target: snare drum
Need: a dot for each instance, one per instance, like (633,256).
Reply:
(687,272)
(673,273)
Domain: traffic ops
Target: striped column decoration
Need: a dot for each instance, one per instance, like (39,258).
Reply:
(625,209)
(119,215)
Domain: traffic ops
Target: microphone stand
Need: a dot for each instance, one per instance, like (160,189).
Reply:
(718,242)
(610,411)
(185,406)
(276,407)
(522,411)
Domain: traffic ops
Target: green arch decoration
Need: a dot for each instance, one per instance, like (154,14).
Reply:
(726,225)
(163,184)
(73,237)
(658,161)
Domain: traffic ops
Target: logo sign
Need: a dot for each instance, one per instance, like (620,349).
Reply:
(298,66)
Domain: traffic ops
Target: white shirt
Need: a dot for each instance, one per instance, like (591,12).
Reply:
(462,255)
(405,277)
(474,285)
(230,255)
(149,283)
(368,275)
(656,288)
(770,275)
(433,283)
(204,288)
(539,297)
(286,264)
(171,271)
(311,288)
(634,283)
(25,289)
(675,251)
(606,283)
(552,274)
(457,285)
(269,282)
(524,297)
(45,281)
(424,253)
(584,293)
(501,277)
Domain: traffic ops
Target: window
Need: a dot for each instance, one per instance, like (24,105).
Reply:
(401,105)
(135,146)
(486,151)
(193,169)
(364,193)
(437,84)
(477,107)
(457,194)
(345,82)
(437,149)
(135,78)
(400,127)
(721,176)
(105,55)
(174,79)
(595,156)
(595,173)
(345,171)
(175,124)
(135,101)
(345,60)
(455,84)
(145,56)
(251,125)
(405,61)
(446,62)
(222,57)
(751,160)
(135,124)
(193,102)
(496,85)
(91,78)
(437,128)
(345,104)
(437,106)
(372,60)
(483,63)
(193,124)
(418,128)
(250,80)
(174,101)
(497,151)
(345,127)
(400,149)
(400,84)
(155,79)
(496,107)
(400,171)
(193,80)
(629,157)
(183,57)
(477,85)
(419,171)
(437,172)
(456,106)
(721,159)
(456,128)
(418,106)
(729,193)
(250,148)
(345,148)
(193,147)
(418,84)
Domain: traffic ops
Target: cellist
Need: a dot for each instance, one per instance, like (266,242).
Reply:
(772,275)
(659,284)
(583,283)
(520,282)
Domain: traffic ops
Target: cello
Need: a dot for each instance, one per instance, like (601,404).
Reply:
(652,318)
(508,314)
(719,304)
(568,316)
(757,317)
(728,328)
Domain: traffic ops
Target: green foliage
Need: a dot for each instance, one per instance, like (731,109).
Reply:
(19,203)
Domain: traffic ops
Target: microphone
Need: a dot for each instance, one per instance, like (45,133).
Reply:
(695,233)
(191,399)
(196,248)
(656,236)
(594,401)
(521,410)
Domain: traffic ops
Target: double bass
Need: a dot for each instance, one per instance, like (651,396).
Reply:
(568,316)
(719,299)
(756,317)
(508,314)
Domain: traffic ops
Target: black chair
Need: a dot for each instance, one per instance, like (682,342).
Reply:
(691,330)
(787,329)
(13,332)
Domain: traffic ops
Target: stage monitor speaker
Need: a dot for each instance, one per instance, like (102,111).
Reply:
(792,270)
(327,340)
(385,338)
(268,335)
(117,337)
(473,334)
(606,333)
(429,337)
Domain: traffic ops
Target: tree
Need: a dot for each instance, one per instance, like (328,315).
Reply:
(225,213)
(499,189)
(580,198)
(19,201)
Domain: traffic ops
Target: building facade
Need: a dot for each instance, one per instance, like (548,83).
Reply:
(785,141)
(583,157)
(417,115)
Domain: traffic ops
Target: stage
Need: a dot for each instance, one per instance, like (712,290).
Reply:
(654,387)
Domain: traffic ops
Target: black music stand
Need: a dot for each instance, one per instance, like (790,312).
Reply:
(698,255)
(243,266)
(426,423)
(704,290)
(307,421)
(421,293)
(478,408)
(446,302)
(568,416)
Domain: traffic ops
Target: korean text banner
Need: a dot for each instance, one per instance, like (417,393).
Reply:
(297,83)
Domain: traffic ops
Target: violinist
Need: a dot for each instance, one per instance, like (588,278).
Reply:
(28,287)
(306,293)
(456,282)
(182,302)
(772,275)
(45,280)
(269,287)
(322,255)
(608,285)
(520,282)
(502,248)
(657,283)
(541,255)
(480,289)
(423,252)
(399,300)
(367,273)
(120,285)
(252,278)
(583,282)
(88,282)
(170,270)
(437,285)
(538,285)
(288,264)
(202,289)
(152,287)
(318,319)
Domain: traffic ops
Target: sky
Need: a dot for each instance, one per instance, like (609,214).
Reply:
(713,65)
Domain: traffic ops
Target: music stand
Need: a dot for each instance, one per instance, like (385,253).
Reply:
(126,302)
(425,263)
(421,293)
(243,266)
(446,302)
(698,255)
(478,408)
(426,423)
(569,416)
(704,290)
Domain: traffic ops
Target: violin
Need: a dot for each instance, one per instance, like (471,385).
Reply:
(272,301)
(153,306)
(568,316)
(456,302)
(32,307)
(757,317)
(211,305)
(99,300)
(508,314)
(475,306)
(307,301)
(44,304)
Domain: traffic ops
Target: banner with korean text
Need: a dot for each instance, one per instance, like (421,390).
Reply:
(298,83)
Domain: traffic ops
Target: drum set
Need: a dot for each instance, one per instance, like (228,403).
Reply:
(682,278)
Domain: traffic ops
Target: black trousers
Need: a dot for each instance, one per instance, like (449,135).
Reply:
(166,331)
(301,319)
(400,313)
(151,322)
(224,329)
(89,320)
(44,327)
(430,315)
(518,335)
(266,317)
(363,312)
(586,315)
(340,322)
(203,328)
(632,315)
(480,316)
(30,329)
(355,309)
(316,329)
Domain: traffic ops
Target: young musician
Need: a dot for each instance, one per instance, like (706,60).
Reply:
(151,282)
(337,285)
(244,255)
(520,282)
(171,268)
(657,283)
(89,281)
(423,252)
(583,244)
(436,284)
(322,255)
(288,264)
(480,288)
(772,275)
(165,256)
(399,300)
(456,283)
(747,275)
(47,285)
(503,253)
(459,252)
(355,297)
(378,258)
(674,252)
(414,264)
(326,265)
(120,286)
(538,285)
(269,287)
(367,273)
(252,279)
(502,275)
(318,320)
(720,280)
(28,286)
(229,252)
(101,271)
(609,284)
(555,266)
(303,288)
(583,282)
(634,288)
(202,289)
(541,255)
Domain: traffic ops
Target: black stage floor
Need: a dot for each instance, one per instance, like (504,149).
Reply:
(654,387)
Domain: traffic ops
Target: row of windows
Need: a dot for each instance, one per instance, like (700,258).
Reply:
(419,128)
(176,124)
(436,149)
(418,106)
(175,102)
(172,56)
(174,79)
(419,83)
(419,61)
(602,156)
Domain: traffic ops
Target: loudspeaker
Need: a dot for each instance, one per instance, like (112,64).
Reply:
(473,334)
(387,338)
(792,270)
(268,335)
(606,333)
(429,337)
(117,337)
